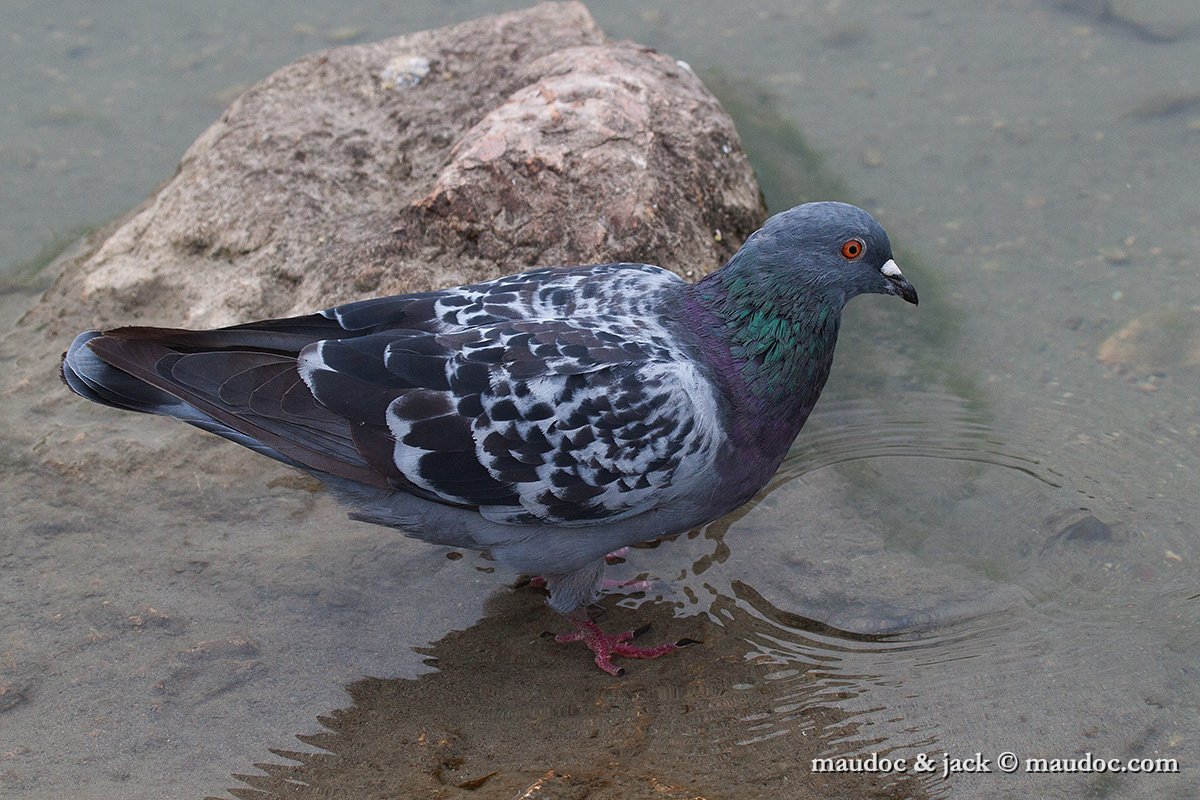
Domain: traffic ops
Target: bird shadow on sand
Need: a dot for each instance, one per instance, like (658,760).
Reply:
(509,713)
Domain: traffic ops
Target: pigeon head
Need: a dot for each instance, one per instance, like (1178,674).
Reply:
(778,303)
(825,253)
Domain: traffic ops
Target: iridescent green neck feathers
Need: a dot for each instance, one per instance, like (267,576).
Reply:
(780,336)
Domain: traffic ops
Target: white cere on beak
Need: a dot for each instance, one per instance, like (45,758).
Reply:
(890,270)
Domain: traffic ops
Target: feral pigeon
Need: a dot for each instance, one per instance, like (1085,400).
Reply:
(547,418)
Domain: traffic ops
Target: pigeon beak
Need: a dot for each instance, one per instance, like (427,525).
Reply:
(896,282)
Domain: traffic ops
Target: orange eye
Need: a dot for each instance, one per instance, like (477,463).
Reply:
(852,248)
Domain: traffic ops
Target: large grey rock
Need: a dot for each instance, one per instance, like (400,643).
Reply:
(430,159)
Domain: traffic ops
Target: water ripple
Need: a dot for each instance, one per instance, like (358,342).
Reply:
(933,425)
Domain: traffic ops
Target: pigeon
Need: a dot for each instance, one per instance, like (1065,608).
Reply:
(547,418)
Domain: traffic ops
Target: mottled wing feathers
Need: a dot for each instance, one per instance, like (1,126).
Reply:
(529,421)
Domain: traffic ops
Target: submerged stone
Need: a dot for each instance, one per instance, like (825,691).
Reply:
(1156,341)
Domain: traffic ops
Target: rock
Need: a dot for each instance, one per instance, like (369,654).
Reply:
(426,160)
(1088,529)
(1156,341)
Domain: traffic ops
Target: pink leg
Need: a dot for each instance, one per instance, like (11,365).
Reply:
(607,645)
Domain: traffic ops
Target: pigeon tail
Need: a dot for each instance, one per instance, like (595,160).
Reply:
(89,376)
(148,370)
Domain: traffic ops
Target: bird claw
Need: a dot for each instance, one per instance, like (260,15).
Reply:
(607,645)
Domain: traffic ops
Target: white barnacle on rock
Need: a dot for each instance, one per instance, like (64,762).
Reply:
(404,71)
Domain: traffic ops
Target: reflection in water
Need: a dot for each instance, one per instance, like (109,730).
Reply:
(542,725)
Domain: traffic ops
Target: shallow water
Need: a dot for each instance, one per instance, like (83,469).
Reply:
(984,541)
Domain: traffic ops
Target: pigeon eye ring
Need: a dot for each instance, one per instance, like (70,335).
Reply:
(852,249)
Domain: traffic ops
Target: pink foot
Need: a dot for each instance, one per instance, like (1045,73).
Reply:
(607,645)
